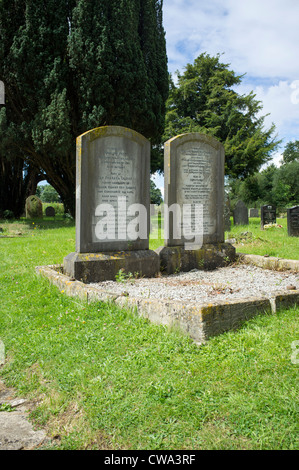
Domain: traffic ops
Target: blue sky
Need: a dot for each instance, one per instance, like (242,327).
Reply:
(257,38)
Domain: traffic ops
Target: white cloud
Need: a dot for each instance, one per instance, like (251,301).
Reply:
(257,38)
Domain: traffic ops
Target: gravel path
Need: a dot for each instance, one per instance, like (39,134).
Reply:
(222,284)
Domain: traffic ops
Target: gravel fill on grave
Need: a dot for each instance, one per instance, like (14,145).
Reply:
(222,284)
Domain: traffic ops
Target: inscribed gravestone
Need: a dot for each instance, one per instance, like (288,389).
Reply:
(293,221)
(112,206)
(194,175)
(268,215)
(253,212)
(113,169)
(241,214)
(50,211)
(33,208)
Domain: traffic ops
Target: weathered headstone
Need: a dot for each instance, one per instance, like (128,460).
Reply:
(253,212)
(227,221)
(112,187)
(293,221)
(241,214)
(193,204)
(268,215)
(33,208)
(50,211)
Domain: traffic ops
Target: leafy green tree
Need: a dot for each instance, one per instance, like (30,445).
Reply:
(48,194)
(155,194)
(204,100)
(285,191)
(291,152)
(69,66)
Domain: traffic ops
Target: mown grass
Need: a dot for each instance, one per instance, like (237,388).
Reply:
(105,378)
(272,242)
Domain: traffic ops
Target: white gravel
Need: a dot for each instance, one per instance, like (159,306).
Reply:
(222,284)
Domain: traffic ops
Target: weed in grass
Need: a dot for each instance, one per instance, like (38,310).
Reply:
(6,407)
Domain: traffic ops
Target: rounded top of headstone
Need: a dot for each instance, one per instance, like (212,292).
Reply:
(195,136)
(112,131)
(240,203)
(33,198)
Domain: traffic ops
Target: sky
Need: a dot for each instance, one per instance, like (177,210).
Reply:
(258,38)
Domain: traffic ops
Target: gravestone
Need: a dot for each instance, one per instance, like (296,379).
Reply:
(193,204)
(33,208)
(227,221)
(241,214)
(293,221)
(50,211)
(253,212)
(268,215)
(112,206)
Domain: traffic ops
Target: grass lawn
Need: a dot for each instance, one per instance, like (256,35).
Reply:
(106,379)
(272,242)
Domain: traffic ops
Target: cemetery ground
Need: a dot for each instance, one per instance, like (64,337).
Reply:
(99,377)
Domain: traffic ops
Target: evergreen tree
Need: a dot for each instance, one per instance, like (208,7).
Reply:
(72,65)
(204,100)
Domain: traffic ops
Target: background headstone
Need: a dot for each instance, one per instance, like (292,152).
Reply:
(268,215)
(293,221)
(253,212)
(227,221)
(50,211)
(194,174)
(241,214)
(33,208)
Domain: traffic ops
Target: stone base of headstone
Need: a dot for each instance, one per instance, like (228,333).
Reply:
(98,267)
(174,259)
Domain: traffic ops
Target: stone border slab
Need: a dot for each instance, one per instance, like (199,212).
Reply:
(269,262)
(199,321)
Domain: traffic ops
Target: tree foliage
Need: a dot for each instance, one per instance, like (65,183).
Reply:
(47,193)
(277,186)
(72,65)
(155,193)
(204,100)
(291,152)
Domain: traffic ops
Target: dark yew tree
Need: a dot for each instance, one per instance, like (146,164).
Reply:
(69,66)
